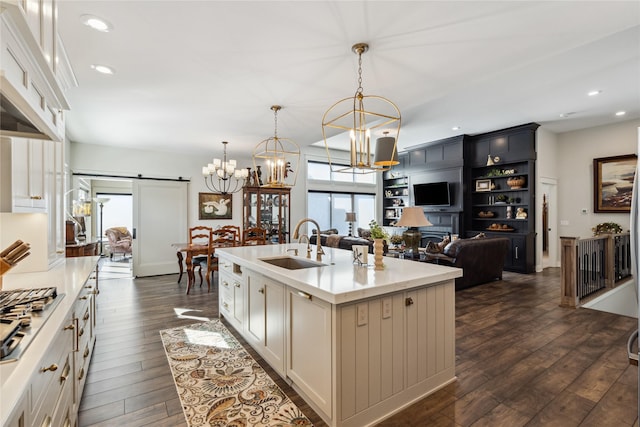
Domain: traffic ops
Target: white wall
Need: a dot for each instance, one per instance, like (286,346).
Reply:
(576,151)
(100,159)
(546,171)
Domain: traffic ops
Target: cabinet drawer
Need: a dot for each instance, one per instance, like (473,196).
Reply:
(49,386)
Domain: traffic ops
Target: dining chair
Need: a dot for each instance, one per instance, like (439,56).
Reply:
(226,230)
(198,235)
(254,236)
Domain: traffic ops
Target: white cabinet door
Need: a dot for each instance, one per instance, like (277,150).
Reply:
(309,347)
(266,319)
(28,175)
(238,302)
(255,309)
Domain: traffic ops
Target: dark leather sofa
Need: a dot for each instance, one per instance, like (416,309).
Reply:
(343,242)
(481,259)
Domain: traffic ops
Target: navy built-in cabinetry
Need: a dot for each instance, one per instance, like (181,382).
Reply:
(491,178)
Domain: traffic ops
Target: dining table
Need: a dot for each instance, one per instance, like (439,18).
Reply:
(190,250)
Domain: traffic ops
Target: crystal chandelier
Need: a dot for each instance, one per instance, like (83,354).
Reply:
(222,177)
(380,116)
(279,156)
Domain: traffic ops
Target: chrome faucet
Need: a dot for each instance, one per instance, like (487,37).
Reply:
(319,251)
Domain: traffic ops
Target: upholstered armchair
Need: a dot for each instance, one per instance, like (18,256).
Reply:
(119,240)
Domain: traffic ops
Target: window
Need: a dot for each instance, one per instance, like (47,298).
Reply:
(330,210)
(332,194)
(321,171)
(117,212)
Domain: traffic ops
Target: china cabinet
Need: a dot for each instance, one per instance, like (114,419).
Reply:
(268,208)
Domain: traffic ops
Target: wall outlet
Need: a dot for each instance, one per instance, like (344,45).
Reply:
(584,211)
(363,314)
(386,308)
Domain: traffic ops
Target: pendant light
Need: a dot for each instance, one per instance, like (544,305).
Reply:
(360,122)
(280,158)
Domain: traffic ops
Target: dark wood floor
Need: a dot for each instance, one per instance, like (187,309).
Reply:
(521,359)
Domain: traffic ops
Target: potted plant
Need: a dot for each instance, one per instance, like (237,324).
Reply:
(378,234)
(606,228)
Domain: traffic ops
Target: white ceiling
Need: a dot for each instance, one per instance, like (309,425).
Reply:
(190,74)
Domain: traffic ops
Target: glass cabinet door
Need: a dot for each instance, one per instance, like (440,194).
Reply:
(269,209)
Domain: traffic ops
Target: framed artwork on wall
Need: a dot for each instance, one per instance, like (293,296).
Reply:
(613,182)
(215,206)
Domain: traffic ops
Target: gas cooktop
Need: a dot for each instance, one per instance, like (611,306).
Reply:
(22,314)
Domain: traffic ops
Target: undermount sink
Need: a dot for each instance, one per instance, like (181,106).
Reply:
(291,263)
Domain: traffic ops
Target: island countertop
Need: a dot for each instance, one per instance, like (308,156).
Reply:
(338,280)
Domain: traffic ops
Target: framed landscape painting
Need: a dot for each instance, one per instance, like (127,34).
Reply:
(613,182)
(215,206)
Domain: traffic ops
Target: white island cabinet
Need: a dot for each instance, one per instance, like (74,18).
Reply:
(357,344)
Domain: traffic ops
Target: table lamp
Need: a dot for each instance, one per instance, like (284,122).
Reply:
(351,218)
(412,217)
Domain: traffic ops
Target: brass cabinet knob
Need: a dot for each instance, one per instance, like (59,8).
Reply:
(51,368)
(408,301)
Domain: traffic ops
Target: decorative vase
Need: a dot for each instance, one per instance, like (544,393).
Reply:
(377,254)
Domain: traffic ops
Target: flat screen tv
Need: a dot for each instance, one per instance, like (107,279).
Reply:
(432,194)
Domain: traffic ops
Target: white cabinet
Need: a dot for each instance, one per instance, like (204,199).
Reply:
(265,319)
(35,70)
(309,360)
(27,175)
(231,298)
(84,318)
(52,383)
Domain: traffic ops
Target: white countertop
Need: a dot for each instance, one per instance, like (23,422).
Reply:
(340,280)
(69,278)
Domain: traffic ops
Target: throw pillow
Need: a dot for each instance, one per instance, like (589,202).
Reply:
(433,248)
(445,241)
(365,233)
(329,231)
(451,250)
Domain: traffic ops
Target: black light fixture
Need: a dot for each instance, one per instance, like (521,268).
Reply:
(101,201)
(222,177)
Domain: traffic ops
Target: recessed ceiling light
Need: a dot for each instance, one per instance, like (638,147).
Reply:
(96,23)
(103,69)
(455,128)
(621,113)
(564,115)
(594,92)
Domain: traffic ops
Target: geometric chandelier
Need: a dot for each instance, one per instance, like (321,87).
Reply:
(377,118)
(280,158)
(222,177)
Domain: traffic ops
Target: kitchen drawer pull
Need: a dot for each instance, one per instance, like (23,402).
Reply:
(69,327)
(88,287)
(304,295)
(51,368)
(225,283)
(86,352)
(225,305)
(261,290)
(65,373)
(81,332)
(36,197)
(47,421)
(237,284)
(86,316)
(81,374)
(84,297)
(408,301)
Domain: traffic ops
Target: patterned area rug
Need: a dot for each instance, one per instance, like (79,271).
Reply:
(220,384)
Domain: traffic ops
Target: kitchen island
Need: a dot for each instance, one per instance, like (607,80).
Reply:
(357,344)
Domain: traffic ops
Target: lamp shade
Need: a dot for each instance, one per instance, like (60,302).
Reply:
(351,217)
(386,153)
(413,217)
